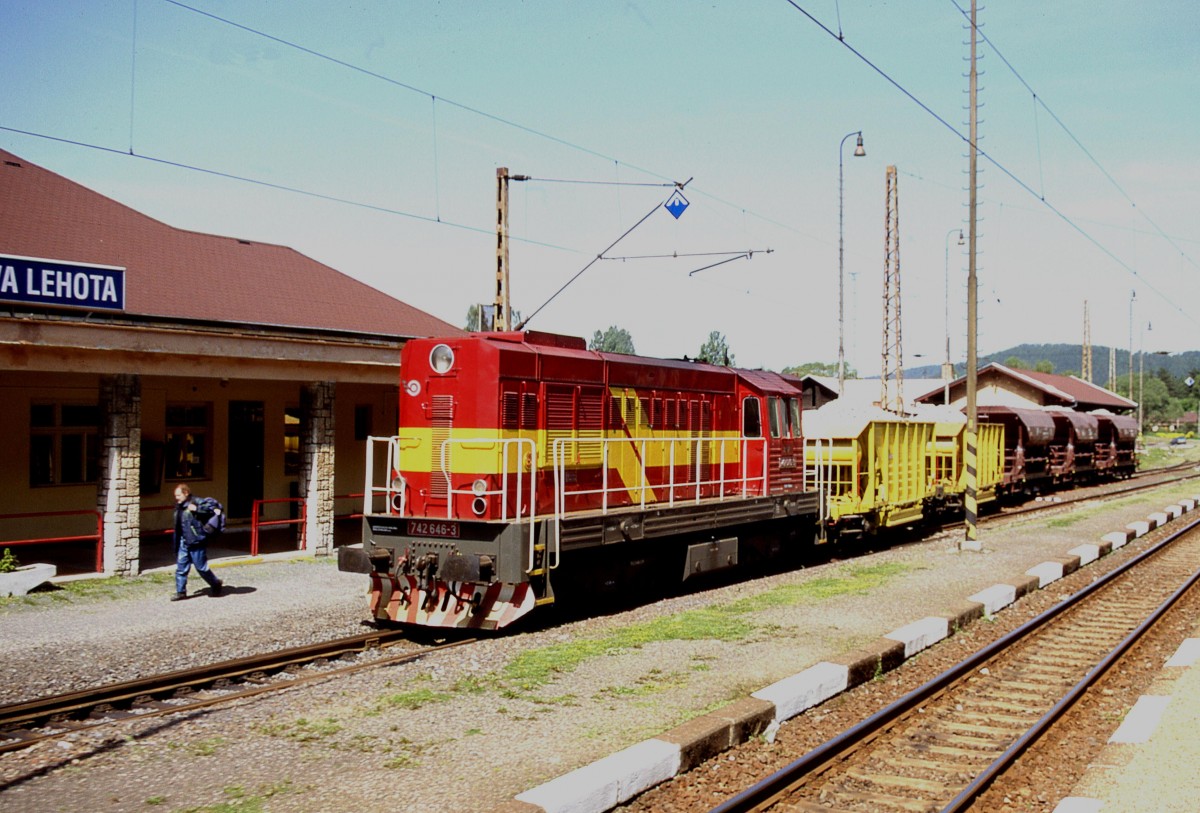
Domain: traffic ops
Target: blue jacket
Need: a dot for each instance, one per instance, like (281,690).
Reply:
(190,528)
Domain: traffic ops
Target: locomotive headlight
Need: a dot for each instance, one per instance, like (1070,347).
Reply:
(441,358)
(479,487)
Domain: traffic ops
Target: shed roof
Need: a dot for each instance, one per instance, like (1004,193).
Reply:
(228,280)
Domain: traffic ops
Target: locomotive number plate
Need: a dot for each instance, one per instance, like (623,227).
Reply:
(427,527)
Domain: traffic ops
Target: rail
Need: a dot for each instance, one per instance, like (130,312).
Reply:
(98,536)
(257,523)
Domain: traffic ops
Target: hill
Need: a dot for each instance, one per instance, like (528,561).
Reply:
(1067,359)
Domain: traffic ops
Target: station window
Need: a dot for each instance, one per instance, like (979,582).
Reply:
(291,440)
(363,420)
(64,444)
(188,442)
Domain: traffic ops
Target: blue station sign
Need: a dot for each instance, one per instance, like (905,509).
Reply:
(53,282)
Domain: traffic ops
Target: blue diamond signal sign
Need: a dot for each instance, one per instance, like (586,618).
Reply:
(676,204)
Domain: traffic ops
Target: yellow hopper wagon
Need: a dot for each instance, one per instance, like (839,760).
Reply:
(948,460)
(871,468)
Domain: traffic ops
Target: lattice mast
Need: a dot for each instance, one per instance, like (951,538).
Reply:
(893,356)
(503,314)
(1087,343)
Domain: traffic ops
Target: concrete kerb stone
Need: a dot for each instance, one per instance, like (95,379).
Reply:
(1119,539)
(608,782)
(704,737)
(881,655)
(613,780)
(1139,528)
(802,691)
(1158,519)
(920,635)
(996,598)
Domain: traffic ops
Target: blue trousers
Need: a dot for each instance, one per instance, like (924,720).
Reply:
(185,558)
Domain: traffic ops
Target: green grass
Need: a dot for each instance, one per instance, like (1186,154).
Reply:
(534,669)
(202,748)
(303,729)
(412,700)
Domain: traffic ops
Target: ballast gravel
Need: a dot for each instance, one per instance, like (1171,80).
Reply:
(462,729)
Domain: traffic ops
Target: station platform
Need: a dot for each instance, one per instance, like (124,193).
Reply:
(1150,761)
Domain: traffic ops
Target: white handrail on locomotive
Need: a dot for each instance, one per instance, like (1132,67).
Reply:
(370,490)
(559,458)
(506,446)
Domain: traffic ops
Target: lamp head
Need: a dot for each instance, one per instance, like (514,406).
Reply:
(858,148)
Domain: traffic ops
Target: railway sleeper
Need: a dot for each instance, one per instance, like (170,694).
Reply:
(887,779)
(882,801)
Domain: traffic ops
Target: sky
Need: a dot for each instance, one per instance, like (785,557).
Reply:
(367,135)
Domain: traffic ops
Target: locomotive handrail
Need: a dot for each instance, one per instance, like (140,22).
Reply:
(370,490)
(506,446)
(639,485)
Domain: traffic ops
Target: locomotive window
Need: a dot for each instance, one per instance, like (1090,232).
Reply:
(774,416)
(751,418)
(794,416)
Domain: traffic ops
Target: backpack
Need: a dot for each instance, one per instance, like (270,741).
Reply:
(210,512)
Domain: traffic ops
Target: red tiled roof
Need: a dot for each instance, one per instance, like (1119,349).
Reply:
(47,216)
(1087,396)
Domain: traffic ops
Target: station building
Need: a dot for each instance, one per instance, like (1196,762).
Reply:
(998,385)
(135,356)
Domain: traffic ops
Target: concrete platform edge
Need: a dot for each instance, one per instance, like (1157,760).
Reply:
(613,780)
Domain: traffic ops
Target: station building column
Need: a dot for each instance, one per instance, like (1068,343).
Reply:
(118,493)
(317,465)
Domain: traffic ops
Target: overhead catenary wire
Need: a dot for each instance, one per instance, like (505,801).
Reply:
(995,162)
(1040,102)
(597,258)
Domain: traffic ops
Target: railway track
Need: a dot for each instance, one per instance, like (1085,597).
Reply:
(945,743)
(1152,479)
(26,723)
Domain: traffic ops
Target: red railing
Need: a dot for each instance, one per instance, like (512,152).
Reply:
(256,522)
(98,537)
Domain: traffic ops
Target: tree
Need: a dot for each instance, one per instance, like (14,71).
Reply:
(472,318)
(716,350)
(1014,363)
(823,368)
(476,313)
(614,340)
(1044,366)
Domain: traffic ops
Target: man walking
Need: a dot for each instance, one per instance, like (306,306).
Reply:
(192,533)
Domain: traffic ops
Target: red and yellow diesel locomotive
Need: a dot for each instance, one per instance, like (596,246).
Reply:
(519,453)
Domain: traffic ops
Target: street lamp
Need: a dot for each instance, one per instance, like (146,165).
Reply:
(1132,299)
(948,367)
(858,153)
(1141,374)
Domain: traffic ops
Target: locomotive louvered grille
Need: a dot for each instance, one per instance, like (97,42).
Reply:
(572,415)
(705,435)
(441,409)
(591,425)
(529,410)
(510,411)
